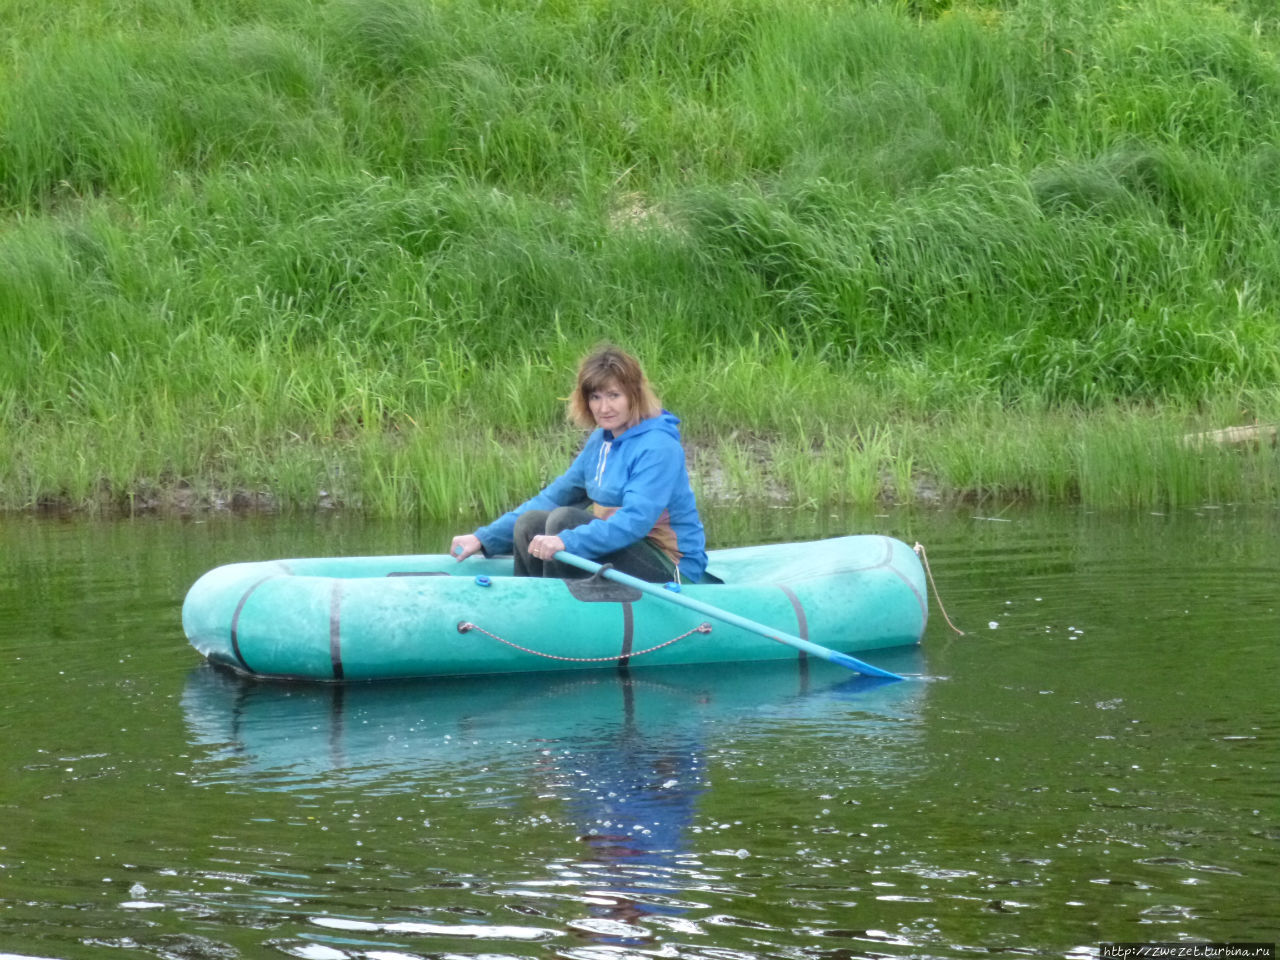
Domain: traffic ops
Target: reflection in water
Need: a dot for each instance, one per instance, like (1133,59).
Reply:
(632,795)
(623,755)
(389,737)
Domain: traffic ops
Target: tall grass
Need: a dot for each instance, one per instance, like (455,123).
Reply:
(866,250)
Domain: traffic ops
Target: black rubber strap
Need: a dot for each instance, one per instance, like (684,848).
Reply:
(802,623)
(235,622)
(628,636)
(335,629)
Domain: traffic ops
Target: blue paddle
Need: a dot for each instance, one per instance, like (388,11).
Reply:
(662,593)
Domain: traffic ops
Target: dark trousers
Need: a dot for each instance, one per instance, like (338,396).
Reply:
(642,559)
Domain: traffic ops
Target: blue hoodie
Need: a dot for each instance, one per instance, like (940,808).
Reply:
(638,486)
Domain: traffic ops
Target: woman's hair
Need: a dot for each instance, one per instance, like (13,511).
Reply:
(598,368)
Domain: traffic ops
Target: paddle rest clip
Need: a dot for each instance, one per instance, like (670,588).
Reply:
(597,589)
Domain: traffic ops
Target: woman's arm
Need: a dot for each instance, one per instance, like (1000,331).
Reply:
(566,490)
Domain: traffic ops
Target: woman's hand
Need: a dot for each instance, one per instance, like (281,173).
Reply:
(544,546)
(465,545)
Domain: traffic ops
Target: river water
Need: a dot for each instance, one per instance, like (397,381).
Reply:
(1096,759)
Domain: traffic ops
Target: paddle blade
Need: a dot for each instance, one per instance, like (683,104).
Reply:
(858,666)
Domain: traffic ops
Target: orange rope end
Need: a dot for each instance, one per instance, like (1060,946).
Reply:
(919,549)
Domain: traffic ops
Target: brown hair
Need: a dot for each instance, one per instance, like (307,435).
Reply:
(599,367)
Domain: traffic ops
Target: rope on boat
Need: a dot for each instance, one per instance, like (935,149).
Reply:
(703,627)
(919,549)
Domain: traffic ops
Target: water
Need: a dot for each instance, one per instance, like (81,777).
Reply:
(1096,759)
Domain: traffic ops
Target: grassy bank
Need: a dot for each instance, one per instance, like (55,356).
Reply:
(348,252)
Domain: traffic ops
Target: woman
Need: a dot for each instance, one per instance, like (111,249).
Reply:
(640,512)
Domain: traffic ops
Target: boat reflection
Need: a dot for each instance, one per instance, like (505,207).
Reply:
(622,758)
(392,737)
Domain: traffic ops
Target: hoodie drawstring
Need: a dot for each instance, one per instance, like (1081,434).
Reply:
(602,459)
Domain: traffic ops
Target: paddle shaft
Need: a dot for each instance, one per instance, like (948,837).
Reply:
(679,599)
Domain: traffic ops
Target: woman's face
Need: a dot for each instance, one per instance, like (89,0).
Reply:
(610,407)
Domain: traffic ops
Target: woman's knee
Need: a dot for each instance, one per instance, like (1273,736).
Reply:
(529,524)
(562,518)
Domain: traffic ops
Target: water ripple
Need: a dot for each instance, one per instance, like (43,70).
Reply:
(470,931)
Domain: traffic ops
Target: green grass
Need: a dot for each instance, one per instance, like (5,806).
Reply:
(1002,250)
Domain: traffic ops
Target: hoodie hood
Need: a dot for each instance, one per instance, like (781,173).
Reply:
(665,422)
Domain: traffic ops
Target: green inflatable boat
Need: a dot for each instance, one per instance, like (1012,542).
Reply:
(399,617)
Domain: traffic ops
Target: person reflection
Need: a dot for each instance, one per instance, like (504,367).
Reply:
(633,797)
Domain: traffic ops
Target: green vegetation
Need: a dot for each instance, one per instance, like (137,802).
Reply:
(348,251)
